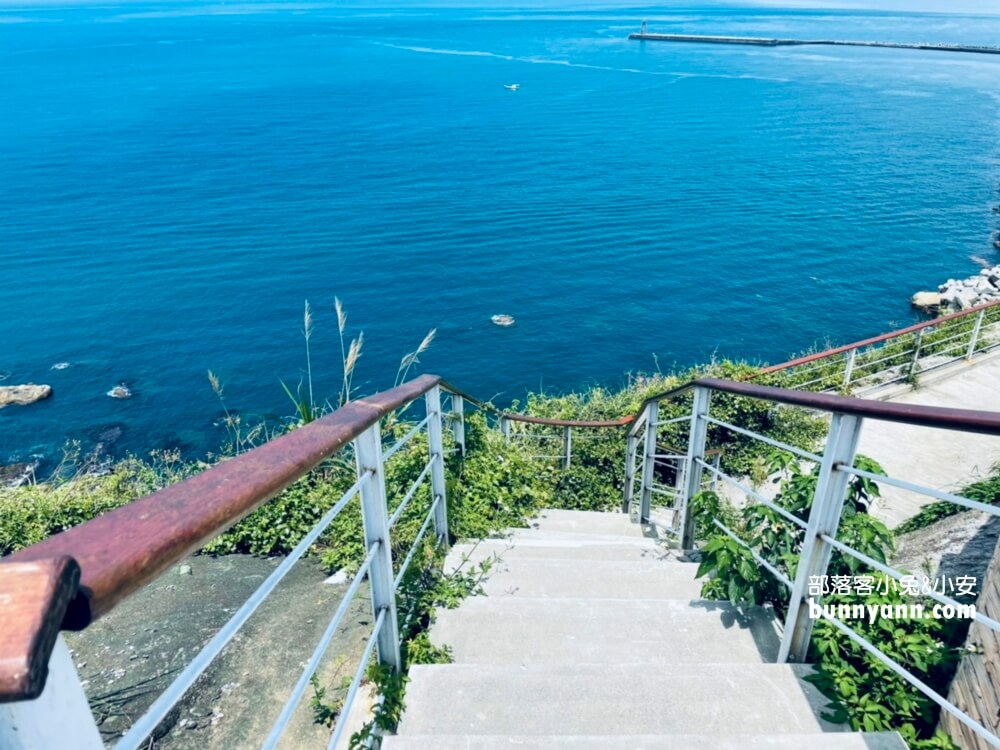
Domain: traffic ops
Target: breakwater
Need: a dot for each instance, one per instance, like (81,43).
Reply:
(766,42)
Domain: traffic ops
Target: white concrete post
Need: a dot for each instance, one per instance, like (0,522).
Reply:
(824,518)
(505,427)
(433,401)
(368,451)
(567,446)
(59,718)
(697,437)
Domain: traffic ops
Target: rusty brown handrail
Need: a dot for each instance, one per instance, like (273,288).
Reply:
(804,360)
(940,417)
(122,551)
(620,422)
(34,598)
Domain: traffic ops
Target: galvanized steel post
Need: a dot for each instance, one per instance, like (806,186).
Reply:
(368,451)
(567,446)
(630,442)
(824,518)
(458,422)
(649,459)
(697,438)
(433,401)
(975,334)
(849,369)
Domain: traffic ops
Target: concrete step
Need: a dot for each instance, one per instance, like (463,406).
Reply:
(514,630)
(704,699)
(589,522)
(595,579)
(829,741)
(568,548)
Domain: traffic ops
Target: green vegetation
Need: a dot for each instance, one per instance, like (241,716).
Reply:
(862,690)
(501,483)
(985,491)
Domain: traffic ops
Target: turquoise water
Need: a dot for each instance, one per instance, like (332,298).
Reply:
(176,179)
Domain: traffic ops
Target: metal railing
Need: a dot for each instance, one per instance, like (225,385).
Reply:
(898,356)
(152,534)
(551,435)
(73,578)
(836,466)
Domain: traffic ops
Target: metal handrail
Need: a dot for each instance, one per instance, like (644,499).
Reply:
(873,340)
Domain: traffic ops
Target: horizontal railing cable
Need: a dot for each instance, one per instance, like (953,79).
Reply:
(352,691)
(324,643)
(921,490)
(406,438)
(148,722)
(413,490)
(900,576)
(764,439)
(764,563)
(943,702)
(416,542)
(754,494)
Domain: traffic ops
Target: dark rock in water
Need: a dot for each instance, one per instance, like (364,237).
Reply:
(23,394)
(14,475)
(108,434)
(120,391)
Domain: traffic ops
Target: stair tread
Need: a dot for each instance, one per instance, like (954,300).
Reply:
(538,630)
(735,741)
(597,579)
(612,699)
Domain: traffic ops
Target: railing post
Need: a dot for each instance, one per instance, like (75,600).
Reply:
(849,369)
(975,334)
(697,438)
(458,422)
(567,446)
(505,427)
(433,400)
(916,354)
(824,518)
(716,464)
(374,510)
(59,717)
(649,459)
(630,442)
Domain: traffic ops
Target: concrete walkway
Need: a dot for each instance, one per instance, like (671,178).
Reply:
(941,459)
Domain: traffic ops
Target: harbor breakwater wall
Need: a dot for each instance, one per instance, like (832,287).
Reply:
(766,42)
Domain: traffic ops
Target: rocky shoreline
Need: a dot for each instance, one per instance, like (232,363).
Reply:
(956,295)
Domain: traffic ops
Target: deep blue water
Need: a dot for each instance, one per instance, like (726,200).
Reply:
(176,179)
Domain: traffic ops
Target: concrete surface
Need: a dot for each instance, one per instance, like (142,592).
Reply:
(940,459)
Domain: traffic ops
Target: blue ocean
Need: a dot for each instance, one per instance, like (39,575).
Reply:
(176,179)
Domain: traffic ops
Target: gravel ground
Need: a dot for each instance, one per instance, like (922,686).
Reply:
(129,656)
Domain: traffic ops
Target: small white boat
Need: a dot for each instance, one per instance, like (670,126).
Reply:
(512,86)
(503,320)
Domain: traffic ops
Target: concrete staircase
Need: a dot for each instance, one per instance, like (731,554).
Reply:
(592,636)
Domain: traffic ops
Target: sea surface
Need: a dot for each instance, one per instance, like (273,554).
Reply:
(176,179)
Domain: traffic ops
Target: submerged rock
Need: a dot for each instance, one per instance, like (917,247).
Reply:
(23,394)
(503,320)
(60,365)
(120,391)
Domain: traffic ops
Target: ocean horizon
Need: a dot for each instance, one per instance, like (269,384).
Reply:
(178,178)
